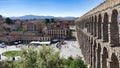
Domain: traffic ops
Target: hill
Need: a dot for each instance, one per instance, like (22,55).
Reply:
(42,17)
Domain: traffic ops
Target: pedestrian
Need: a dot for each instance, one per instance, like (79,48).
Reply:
(0,57)
(13,58)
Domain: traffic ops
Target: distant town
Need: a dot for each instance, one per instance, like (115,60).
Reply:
(25,31)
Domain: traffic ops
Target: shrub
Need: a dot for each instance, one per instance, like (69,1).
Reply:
(77,63)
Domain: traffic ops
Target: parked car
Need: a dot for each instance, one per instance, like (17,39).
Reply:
(2,46)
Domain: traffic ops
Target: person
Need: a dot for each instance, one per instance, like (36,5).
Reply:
(13,58)
(0,56)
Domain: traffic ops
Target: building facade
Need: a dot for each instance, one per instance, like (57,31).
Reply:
(25,37)
(58,33)
(98,34)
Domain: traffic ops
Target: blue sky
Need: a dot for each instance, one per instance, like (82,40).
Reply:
(47,7)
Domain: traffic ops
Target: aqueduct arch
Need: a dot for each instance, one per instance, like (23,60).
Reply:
(114,61)
(95,25)
(99,26)
(114,28)
(92,25)
(103,28)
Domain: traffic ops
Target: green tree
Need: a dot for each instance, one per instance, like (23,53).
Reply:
(28,59)
(68,62)
(47,21)
(52,20)
(6,29)
(22,29)
(77,63)
(45,57)
(43,21)
(8,64)
(8,21)
(49,59)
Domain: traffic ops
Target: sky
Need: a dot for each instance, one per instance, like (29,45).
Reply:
(56,8)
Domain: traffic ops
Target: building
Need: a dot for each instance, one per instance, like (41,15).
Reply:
(67,22)
(98,34)
(33,25)
(58,33)
(24,37)
(29,26)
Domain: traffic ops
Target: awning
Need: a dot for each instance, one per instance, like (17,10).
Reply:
(38,42)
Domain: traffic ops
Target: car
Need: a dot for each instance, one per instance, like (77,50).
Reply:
(2,46)
(54,41)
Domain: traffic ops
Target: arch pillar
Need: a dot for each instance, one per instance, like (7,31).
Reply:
(94,55)
(101,59)
(102,16)
(98,57)
(91,61)
(102,31)
(104,58)
(109,22)
(109,62)
(96,63)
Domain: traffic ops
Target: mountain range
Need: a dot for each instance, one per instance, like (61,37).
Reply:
(43,17)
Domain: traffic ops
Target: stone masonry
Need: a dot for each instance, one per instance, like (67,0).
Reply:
(98,33)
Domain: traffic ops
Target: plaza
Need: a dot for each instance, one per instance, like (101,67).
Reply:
(68,49)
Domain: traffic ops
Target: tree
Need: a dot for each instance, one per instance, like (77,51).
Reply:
(77,63)
(45,57)
(22,29)
(43,21)
(49,59)
(47,21)
(8,21)
(8,64)
(1,18)
(6,29)
(52,20)
(68,61)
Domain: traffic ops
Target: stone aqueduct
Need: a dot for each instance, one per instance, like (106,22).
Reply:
(98,34)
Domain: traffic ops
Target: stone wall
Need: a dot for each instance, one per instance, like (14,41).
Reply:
(98,35)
